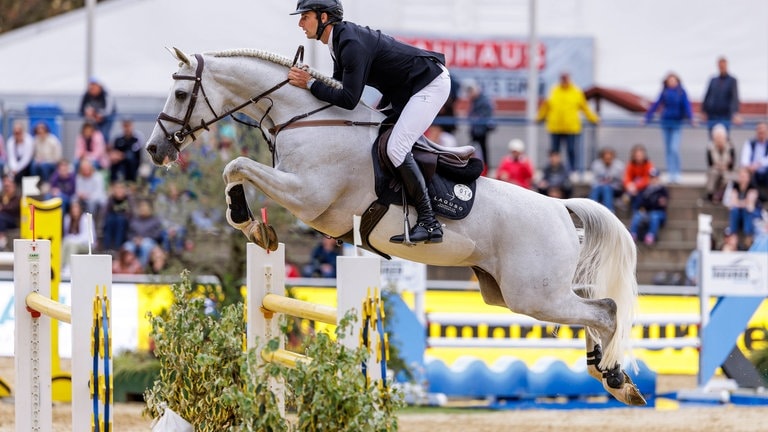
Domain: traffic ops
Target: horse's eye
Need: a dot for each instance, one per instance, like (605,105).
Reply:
(181,94)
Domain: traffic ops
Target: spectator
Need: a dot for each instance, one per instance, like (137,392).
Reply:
(10,209)
(637,174)
(90,189)
(174,208)
(555,180)
(125,153)
(446,117)
(158,261)
(676,108)
(62,184)
(561,112)
(117,216)
(3,158)
(90,145)
(742,204)
(607,175)
(651,214)
(21,150)
(721,101)
(323,259)
(145,231)
(721,158)
(760,243)
(226,147)
(515,167)
(126,263)
(98,107)
(438,135)
(480,117)
(730,241)
(754,156)
(47,152)
(76,236)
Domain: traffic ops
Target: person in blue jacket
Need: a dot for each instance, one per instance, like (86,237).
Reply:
(675,109)
(413,81)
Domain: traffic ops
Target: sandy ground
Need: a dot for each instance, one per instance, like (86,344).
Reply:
(681,419)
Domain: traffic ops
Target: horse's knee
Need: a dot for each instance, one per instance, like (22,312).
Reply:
(233,169)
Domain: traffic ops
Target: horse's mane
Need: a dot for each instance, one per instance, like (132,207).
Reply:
(275,58)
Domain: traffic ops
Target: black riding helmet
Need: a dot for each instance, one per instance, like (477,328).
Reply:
(333,8)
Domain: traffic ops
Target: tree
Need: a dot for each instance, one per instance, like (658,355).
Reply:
(18,13)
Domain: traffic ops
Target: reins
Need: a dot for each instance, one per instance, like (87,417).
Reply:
(177,138)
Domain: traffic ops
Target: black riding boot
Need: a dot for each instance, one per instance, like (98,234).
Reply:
(427,228)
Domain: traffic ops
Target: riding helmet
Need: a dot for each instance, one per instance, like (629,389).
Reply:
(333,8)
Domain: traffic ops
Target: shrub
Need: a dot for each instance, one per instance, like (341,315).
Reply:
(207,379)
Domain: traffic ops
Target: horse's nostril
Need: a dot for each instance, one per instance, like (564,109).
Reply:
(152,149)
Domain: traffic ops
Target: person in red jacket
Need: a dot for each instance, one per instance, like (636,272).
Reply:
(516,167)
(637,174)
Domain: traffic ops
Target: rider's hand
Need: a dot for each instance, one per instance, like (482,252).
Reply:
(298,77)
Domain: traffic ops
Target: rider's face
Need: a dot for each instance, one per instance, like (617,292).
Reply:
(308,23)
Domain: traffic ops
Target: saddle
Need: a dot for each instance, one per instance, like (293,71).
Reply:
(449,172)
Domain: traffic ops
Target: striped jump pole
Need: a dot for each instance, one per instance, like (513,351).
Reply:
(34,310)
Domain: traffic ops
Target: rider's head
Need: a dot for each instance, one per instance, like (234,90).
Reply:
(326,11)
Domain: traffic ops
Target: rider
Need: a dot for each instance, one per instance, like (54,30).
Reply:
(414,81)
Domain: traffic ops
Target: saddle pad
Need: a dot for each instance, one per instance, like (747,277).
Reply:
(450,198)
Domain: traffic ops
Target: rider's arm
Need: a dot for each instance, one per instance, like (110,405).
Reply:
(355,65)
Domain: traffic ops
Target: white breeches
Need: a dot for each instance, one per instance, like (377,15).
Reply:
(418,114)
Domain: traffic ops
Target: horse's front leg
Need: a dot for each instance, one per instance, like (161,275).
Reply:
(239,216)
(238,213)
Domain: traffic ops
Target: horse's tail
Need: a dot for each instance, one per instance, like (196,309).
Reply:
(606,268)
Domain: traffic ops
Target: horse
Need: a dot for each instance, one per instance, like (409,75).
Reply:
(567,261)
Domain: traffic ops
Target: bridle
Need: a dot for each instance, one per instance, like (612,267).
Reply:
(186,129)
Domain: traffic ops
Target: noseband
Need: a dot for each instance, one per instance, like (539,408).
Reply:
(186,129)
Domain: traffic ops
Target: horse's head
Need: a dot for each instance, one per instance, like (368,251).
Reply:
(181,118)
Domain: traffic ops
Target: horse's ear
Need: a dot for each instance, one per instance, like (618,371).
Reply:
(180,56)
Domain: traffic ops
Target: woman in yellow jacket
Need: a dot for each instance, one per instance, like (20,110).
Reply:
(561,112)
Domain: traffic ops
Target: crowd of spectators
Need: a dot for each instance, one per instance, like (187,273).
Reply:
(141,221)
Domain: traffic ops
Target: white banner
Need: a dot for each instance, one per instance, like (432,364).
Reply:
(735,273)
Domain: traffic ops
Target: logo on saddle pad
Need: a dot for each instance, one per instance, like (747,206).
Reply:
(447,203)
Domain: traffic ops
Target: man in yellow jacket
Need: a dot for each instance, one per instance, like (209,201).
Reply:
(561,111)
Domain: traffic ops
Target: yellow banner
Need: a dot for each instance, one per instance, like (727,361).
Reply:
(663,361)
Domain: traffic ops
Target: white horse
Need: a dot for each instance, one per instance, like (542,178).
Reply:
(524,247)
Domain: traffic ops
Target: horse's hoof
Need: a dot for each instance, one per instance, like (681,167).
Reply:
(264,236)
(627,393)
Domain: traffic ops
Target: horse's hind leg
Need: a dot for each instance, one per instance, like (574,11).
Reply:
(598,316)
(615,380)
(594,350)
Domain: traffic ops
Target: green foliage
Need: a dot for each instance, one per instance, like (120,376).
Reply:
(760,359)
(200,357)
(331,394)
(208,380)
(255,400)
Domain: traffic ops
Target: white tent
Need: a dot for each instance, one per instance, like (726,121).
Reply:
(636,42)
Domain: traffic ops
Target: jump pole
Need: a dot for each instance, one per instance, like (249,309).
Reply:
(357,279)
(34,310)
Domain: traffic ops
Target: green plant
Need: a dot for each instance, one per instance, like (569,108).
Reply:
(760,360)
(208,380)
(331,394)
(200,357)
